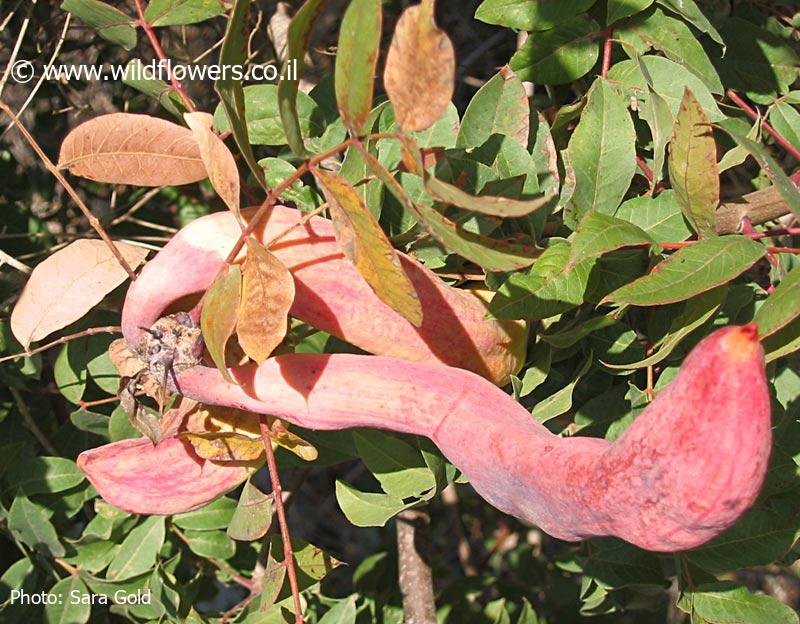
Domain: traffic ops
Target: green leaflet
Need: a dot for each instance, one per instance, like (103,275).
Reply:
(218,318)
(656,29)
(602,152)
(230,90)
(726,601)
(297,42)
(179,12)
(781,307)
(668,78)
(356,60)
(253,515)
(546,290)
(217,514)
(365,509)
(619,9)
(560,55)
(560,402)
(698,311)
(398,467)
(772,169)
(138,551)
(530,14)
(689,10)
(660,217)
(111,23)
(693,169)
(690,271)
(499,107)
(599,233)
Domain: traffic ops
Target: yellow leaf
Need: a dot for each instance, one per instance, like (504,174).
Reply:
(281,436)
(216,419)
(223,447)
(267,296)
(363,242)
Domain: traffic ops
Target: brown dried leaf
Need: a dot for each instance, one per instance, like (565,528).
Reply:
(130,365)
(420,69)
(124,360)
(267,296)
(147,423)
(141,150)
(219,162)
(67,285)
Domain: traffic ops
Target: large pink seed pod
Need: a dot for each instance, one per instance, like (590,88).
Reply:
(683,472)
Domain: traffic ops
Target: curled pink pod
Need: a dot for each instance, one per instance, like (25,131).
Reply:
(684,471)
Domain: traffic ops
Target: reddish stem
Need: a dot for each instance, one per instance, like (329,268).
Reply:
(648,172)
(114,329)
(607,49)
(88,404)
(774,233)
(277,496)
(154,42)
(755,116)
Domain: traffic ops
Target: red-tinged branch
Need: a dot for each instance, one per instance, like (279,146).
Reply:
(111,329)
(87,404)
(156,45)
(608,45)
(646,170)
(774,233)
(93,221)
(277,497)
(755,116)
